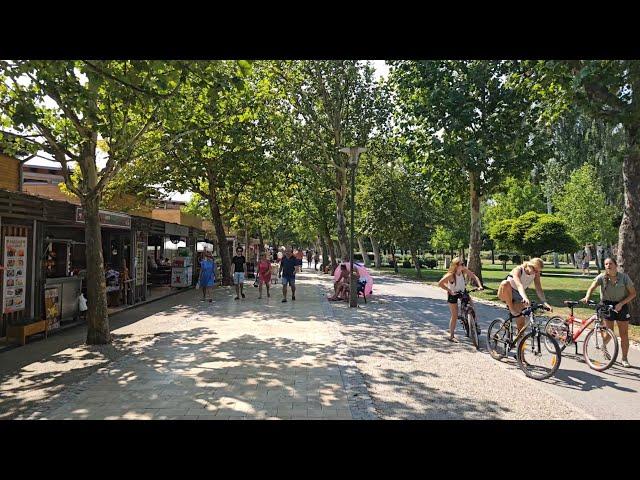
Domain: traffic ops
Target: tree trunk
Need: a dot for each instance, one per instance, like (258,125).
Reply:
(416,264)
(218,225)
(98,332)
(325,252)
(493,260)
(629,233)
(393,258)
(475,236)
(261,240)
(365,255)
(377,261)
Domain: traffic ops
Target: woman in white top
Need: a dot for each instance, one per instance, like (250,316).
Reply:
(512,289)
(454,284)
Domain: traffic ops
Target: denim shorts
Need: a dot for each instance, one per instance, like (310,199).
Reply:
(515,296)
(238,278)
(290,280)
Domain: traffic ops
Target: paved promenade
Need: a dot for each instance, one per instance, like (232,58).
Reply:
(179,358)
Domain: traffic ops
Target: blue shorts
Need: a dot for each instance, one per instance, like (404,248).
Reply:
(238,278)
(290,280)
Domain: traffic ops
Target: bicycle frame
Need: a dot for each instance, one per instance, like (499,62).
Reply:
(573,337)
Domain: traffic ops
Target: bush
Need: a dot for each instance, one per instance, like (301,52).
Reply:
(431,263)
(516,259)
(503,258)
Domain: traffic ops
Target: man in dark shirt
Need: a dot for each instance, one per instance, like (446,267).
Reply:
(288,273)
(239,270)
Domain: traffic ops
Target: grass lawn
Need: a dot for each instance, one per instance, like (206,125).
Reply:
(557,289)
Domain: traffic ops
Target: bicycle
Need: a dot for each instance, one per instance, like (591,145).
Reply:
(530,347)
(594,348)
(467,316)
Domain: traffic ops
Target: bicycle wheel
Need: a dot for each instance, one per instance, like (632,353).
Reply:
(473,328)
(599,354)
(557,328)
(497,339)
(535,359)
(465,325)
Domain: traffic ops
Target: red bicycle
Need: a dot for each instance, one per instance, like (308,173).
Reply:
(600,347)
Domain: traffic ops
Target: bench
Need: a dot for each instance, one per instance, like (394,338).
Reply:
(20,332)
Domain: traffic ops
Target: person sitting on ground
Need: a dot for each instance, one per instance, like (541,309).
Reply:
(512,289)
(454,284)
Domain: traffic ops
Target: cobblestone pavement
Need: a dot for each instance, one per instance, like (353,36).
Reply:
(179,358)
(186,359)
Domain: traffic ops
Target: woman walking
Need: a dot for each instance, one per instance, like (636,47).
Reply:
(207,276)
(264,274)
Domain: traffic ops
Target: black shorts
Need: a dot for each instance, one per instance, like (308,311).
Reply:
(454,298)
(622,316)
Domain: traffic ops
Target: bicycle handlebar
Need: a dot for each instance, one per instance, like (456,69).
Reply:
(535,306)
(600,306)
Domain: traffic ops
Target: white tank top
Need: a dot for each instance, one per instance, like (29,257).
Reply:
(525,279)
(458,285)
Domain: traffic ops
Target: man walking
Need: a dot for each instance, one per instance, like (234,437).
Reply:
(309,255)
(239,270)
(288,273)
(316,259)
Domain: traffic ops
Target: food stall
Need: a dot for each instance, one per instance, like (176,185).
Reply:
(65,267)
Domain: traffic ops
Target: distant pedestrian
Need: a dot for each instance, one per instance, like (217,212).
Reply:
(316,259)
(239,270)
(207,276)
(309,257)
(264,274)
(299,256)
(288,273)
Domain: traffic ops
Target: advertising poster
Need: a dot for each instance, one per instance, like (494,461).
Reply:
(15,274)
(52,307)
(141,248)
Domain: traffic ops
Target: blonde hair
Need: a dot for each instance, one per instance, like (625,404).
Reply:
(535,263)
(455,263)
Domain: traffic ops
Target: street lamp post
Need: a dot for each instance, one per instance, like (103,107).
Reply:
(354,156)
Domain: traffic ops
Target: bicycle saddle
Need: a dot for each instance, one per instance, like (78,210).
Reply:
(570,303)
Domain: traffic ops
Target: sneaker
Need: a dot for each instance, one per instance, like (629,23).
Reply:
(293,297)
(284,300)
(242,295)
(211,301)
(625,364)
(268,295)
(237,298)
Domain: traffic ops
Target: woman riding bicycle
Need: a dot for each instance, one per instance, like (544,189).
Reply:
(616,288)
(512,289)
(454,284)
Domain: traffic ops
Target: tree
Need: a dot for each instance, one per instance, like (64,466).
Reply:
(533,234)
(483,125)
(605,90)
(515,197)
(66,109)
(582,202)
(223,110)
(337,104)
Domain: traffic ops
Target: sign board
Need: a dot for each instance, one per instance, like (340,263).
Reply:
(177,230)
(107,219)
(141,257)
(52,307)
(15,274)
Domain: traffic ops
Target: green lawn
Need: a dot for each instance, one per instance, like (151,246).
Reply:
(557,289)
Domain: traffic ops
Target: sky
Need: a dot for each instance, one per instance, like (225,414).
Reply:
(382,69)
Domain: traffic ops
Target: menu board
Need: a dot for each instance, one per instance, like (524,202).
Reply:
(15,274)
(141,249)
(52,307)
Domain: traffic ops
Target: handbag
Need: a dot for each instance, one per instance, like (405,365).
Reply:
(256,283)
